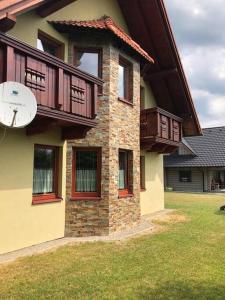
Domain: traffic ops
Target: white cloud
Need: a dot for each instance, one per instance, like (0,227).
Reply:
(199,31)
(211,112)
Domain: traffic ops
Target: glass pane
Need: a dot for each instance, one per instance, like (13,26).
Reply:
(88,62)
(40,45)
(121,82)
(86,171)
(43,173)
(122,170)
(46,47)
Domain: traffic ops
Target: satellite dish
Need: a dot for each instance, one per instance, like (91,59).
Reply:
(18,105)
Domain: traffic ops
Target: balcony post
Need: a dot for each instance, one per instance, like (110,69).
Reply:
(59,103)
(95,99)
(10,64)
(158,124)
(171,129)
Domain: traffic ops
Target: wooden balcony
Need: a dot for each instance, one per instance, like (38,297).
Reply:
(65,95)
(160,130)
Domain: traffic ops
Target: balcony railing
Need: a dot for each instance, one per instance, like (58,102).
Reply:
(161,131)
(64,93)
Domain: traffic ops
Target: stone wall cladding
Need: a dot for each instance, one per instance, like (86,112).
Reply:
(118,128)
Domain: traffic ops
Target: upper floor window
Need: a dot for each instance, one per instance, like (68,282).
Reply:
(89,60)
(45,173)
(50,45)
(125,83)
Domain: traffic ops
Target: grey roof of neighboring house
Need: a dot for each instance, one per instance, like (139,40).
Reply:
(209,150)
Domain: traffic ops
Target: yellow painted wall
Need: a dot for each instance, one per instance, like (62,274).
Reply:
(149,97)
(21,223)
(27,25)
(152,199)
(26,30)
(91,10)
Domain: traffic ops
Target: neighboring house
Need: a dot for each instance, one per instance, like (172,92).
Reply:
(199,164)
(82,167)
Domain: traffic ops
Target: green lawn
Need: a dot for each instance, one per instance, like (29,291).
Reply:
(186,260)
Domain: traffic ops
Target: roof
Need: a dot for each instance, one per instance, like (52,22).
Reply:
(17,6)
(186,144)
(106,23)
(44,7)
(149,25)
(208,148)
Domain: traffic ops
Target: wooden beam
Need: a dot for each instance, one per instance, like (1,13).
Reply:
(7,23)
(49,8)
(161,74)
(39,126)
(74,132)
(168,150)
(16,7)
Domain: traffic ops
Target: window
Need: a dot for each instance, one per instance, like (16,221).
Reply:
(86,173)
(50,45)
(45,174)
(142,172)
(185,176)
(89,60)
(125,80)
(125,171)
(142,98)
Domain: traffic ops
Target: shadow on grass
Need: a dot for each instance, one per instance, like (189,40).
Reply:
(184,290)
(220,212)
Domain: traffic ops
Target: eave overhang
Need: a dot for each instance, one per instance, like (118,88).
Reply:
(149,25)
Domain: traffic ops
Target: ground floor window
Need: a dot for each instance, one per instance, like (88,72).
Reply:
(45,173)
(125,172)
(218,179)
(142,172)
(185,176)
(86,172)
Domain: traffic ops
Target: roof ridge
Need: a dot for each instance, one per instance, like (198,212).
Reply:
(213,127)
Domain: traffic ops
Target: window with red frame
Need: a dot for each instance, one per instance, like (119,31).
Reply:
(50,45)
(142,172)
(125,82)
(125,170)
(45,173)
(89,60)
(86,173)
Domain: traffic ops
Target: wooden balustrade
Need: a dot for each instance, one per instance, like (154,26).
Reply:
(64,94)
(161,131)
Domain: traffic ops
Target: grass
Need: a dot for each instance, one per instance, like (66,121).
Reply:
(186,260)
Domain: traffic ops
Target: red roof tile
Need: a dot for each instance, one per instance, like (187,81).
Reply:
(108,24)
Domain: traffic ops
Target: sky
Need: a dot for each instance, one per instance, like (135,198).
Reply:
(198,27)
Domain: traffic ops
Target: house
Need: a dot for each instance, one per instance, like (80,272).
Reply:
(199,163)
(112,99)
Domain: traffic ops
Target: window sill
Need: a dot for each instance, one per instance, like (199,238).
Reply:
(126,101)
(125,196)
(42,201)
(85,198)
